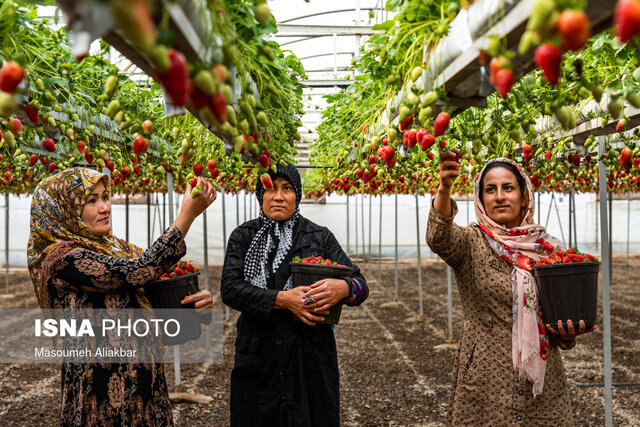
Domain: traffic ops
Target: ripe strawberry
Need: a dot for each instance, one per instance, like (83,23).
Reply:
(549,58)
(193,182)
(387,153)
(88,157)
(125,172)
(110,165)
(626,19)
(622,123)
(264,160)
(426,142)
(44,160)
(575,29)
(547,155)
(409,137)
(33,160)
(483,57)
(636,161)
(49,145)
(136,169)
(52,167)
(441,124)
(32,113)
(504,81)
(81,146)
(219,106)
(197,169)
(140,145)
(147,126)
(266,181)
(626,156)
(174,80)
(406,123)
(11,75)
(15,126)
(135,20)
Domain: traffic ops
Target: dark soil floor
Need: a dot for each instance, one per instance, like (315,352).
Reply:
(391,374)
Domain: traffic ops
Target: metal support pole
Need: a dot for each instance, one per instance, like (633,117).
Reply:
(606,279)
(421,309)
(560,222)
(380,244)
(596,224)
(126,216)
(206,250)
(628,222)
(6,244)
(610,235)
(164,212)
(148,219)
(224,242)
(348,248)
(570,218)
(245,206)
(546,224)
(396,272)
(369,251)
(176,348)
(355,199)
(449,305)
(362,222)
(539,196)
(237,196)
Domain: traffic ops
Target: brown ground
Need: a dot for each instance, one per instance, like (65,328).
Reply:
(390,372)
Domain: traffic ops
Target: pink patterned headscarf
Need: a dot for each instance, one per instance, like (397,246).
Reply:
(522,246)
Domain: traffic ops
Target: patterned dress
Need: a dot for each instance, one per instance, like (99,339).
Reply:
(485,388)
(100,394)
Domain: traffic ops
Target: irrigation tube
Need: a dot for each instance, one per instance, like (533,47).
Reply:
(606,303)
(126,217)
(396,277)
(176,348)
(421,309)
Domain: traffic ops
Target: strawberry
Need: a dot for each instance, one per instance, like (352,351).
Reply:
(52,167)
(140,145)
(496,65)
(575,29)
(190,268)
(547,155)
(136,169)
(175,79)
(218,105)
(409,137)
(110,165)
(44,160)
(125,172)
(406,123)
(626,156)
(622,123)
(32,113)
(426,142)
(264,160)
(11,75)
(33,160)
(504,81)
(197,169)
(15,126)
(81,146)
(49,145)
(193,182)
(135,20)
(88,157)
(483,57)
(636,161)
(387,153)
(266,181)
(626,19)
(441,124)
(549,58)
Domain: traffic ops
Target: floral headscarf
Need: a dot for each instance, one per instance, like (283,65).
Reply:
(57,227)
(521,246)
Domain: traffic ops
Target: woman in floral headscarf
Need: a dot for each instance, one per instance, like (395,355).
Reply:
(76,263)
(507,369)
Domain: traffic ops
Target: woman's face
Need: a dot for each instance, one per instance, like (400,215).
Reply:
(96,211)
(279,202)
(502,198)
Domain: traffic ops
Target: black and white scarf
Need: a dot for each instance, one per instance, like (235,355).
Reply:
(272,235)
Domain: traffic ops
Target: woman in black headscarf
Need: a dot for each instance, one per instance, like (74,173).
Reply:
(286,368)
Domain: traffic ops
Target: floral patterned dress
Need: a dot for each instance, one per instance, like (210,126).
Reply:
(101,394)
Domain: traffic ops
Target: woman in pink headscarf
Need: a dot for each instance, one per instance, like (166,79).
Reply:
(508,369)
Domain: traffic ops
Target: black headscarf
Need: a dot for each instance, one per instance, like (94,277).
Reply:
(273,235)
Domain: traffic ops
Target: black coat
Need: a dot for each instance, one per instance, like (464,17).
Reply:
(285,372)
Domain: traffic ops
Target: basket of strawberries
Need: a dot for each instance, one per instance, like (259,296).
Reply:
(567,284)
(165,295)
(307,271)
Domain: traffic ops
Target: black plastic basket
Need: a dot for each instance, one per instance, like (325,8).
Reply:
(307,274)
(167,294)
(568,292)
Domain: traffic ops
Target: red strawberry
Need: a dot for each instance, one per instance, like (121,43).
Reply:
(409,137)
(193,182)
(549,58)
(33,160)
(49,145)
(622,123)
(266,181)
(441,124)
(420,134)
(88,157)
(190,268)
(197,169)
(174,80)
(110,165)
(52,167)
(626,19)
(626,156)
(81,146)
(219,106)
(547,155)
(483,57)
(575,29)
(136,169)
(406,123)
(636,161)
(214,173)
(125,172)
(263,160)
(211,165)
(140,145)
(32,113)
(426,142)
(504,81)
(15,126)
(147,126)
(11,75)
(44,160)
(387,153)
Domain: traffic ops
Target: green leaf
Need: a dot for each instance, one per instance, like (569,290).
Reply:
(385,26)
(615,86)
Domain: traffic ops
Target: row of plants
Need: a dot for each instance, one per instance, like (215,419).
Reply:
(533,120)
(63,109)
